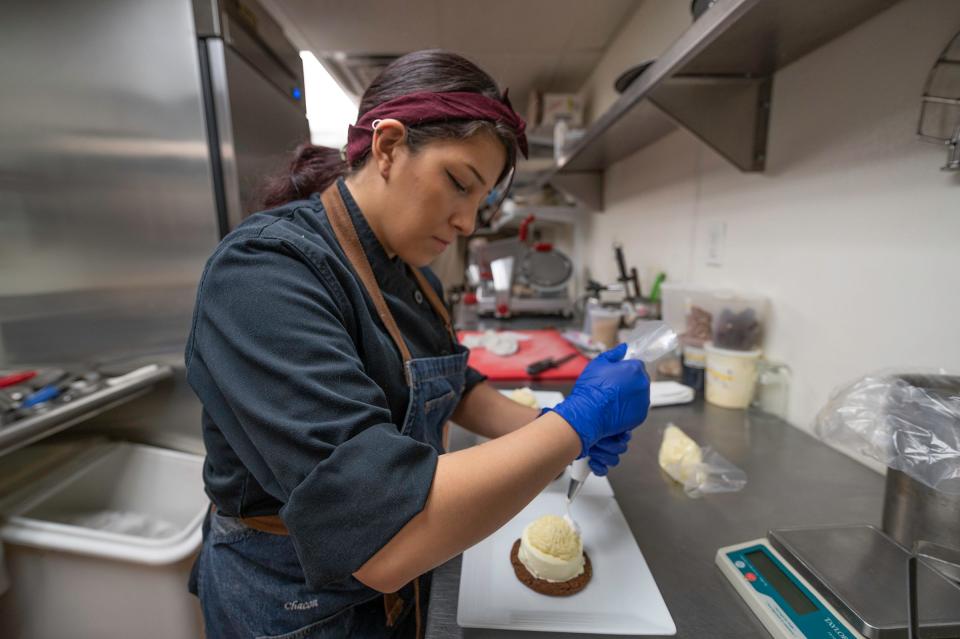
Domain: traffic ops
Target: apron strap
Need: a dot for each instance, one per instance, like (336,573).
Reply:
(416,595)
(393,606)
(350,243)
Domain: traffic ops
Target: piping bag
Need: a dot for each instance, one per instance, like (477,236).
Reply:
(648,342)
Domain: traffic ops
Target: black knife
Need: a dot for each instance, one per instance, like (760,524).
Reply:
(546,364)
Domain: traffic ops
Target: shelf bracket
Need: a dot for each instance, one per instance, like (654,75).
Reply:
(728,113)
(585,187)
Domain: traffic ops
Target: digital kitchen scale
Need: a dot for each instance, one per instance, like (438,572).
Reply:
(838,581)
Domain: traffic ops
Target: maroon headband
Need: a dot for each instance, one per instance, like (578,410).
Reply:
(424,106)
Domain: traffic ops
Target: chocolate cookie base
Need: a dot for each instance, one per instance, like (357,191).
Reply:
(550,588)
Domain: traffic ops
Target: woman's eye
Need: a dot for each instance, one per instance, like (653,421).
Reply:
(456,184)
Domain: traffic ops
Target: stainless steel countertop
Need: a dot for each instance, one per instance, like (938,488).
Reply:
(793,480)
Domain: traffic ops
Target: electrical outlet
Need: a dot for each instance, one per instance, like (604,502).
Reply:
(716,243)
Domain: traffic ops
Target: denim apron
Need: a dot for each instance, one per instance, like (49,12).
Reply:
(248,577)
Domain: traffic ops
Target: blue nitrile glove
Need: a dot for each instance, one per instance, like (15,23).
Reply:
(611,396)
(606,453)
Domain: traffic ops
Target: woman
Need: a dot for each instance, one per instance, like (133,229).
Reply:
(327,367)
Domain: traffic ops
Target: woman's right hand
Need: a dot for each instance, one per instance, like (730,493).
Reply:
(610,397)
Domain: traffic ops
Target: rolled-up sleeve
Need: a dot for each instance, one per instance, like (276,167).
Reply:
(473,377)
(314,429)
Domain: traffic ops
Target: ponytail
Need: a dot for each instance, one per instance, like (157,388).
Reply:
(312,170)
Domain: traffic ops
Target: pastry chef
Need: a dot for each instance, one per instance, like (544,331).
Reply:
(327,367)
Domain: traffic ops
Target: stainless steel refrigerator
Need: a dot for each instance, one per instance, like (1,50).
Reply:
(133,135)
(252,81)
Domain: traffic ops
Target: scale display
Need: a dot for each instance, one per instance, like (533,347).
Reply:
(786,604)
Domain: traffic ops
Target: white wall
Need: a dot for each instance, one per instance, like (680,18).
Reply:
(852,231)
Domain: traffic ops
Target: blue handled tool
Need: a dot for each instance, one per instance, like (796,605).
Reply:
(45,394)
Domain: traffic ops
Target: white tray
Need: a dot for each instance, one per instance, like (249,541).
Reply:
(621,599)
(546,399)
(661,394)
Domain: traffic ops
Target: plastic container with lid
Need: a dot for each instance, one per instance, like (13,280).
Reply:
(731,376)
(694,367)
(689,310)
(677,300)
(773,388)
(738,321)
(702,314)
(604,324)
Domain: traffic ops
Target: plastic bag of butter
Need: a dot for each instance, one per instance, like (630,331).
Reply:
(701,470)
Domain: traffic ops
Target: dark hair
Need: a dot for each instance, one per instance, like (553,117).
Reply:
(314,168)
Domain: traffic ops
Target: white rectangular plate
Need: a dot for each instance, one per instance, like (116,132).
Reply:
(546,399)
(621,598)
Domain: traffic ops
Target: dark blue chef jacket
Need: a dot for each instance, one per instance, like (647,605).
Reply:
(303,389)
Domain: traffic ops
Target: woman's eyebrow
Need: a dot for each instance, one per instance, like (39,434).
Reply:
(477,173)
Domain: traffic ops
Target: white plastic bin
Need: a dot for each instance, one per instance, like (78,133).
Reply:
(101,545)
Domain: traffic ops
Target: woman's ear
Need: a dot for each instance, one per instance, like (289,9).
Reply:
(388,137)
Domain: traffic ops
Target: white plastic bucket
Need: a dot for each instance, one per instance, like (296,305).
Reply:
(731,376)
(100,545)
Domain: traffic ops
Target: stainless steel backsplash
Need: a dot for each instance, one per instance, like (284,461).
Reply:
(106,197)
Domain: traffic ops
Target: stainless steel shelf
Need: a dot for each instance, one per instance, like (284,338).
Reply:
(124,389)
(715,81)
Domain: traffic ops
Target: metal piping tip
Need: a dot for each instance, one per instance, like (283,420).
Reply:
(573,490)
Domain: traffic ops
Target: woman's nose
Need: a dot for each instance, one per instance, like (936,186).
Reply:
(464,220)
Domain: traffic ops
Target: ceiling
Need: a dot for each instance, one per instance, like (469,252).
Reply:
(552,45)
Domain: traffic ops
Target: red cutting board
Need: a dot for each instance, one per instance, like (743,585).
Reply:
(542,344)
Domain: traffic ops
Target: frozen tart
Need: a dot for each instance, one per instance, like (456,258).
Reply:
(549,558)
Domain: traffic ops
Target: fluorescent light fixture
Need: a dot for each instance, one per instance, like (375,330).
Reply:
(329,109)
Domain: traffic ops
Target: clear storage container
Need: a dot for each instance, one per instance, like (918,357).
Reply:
(689,310)
(738,321)
(702,314)
(604,324)
(676,301)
